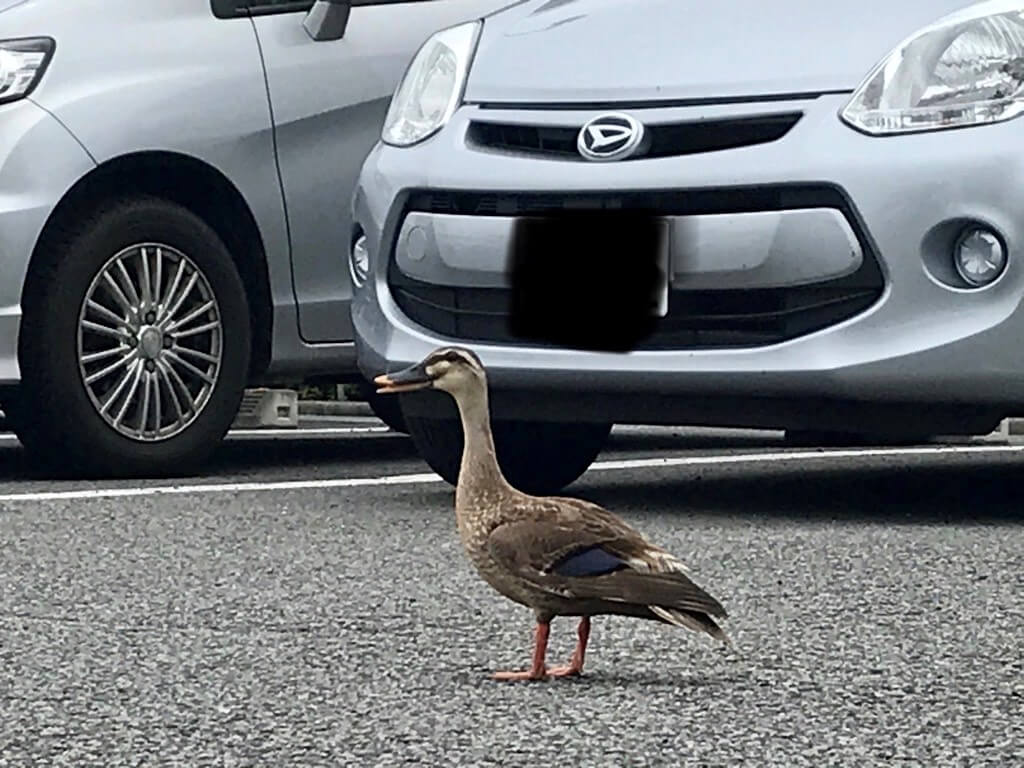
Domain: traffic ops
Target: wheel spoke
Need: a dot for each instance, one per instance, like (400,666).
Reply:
(189,367)
(147,382)
(106,313)
(132,294)
(115,289)
(184,390)
(95,357)
(179,334)
(145,278)
(166,300)
(172,395)
(157,415)
(158,278)
(126,377)
(195,353)
(197,312)
(103,373)
(173,310)
(113,333)
(130,397)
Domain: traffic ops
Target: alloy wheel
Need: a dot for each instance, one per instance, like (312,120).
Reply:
(150,342)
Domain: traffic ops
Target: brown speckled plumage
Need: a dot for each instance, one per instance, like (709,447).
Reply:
(558,556)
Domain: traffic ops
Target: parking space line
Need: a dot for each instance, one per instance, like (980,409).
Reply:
(303,433)
(300,433)
(429,477)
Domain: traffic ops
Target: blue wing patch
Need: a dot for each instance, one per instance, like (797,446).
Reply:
(588,562)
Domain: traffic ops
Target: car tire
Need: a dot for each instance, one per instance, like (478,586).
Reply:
(169,415)
(387,408)
(538,458)
(19,421)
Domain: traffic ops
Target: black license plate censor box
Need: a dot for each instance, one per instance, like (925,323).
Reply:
(594,280)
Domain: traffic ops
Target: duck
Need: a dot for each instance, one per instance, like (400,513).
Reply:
(558,556)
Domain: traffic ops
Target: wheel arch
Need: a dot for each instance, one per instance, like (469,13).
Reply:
(202,189)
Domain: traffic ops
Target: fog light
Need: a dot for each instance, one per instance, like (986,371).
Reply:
(359,261)
(979,256)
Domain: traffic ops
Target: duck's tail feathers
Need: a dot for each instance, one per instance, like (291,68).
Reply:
(698,622)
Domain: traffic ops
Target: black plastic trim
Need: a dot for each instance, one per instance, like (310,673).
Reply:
(238,9)
(229,9)
(661,139)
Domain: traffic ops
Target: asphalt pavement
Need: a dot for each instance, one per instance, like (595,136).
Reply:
(306,603)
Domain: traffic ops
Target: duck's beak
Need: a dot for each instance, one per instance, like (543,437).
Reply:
(407,380)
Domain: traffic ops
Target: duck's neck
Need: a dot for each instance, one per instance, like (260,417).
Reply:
(479,474)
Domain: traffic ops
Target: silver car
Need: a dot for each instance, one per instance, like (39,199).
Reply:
(795,215)
(175,179)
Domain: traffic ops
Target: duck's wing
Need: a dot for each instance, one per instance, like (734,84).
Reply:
(579,551)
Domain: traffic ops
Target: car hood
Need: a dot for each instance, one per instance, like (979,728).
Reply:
(5,4)
(634,50)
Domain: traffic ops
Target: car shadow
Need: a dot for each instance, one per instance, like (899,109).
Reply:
(691,440)
(982,490)
(240,457)
(244,455)
(249,456)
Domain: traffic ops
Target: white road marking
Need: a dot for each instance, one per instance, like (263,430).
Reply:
(306,432)
(302,433)
(430,477)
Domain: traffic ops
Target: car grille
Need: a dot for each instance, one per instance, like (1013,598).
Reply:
(696,319)
(666,139)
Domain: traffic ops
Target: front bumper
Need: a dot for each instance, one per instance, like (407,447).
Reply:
(39,161)
(919,340)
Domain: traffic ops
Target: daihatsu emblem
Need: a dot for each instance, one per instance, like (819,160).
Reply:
(614,136)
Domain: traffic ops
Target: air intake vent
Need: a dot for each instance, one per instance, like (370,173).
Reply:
(696,319)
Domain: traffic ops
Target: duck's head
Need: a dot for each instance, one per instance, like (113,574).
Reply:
(452,369)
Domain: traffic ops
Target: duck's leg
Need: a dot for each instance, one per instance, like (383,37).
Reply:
(537,670)
(575,665)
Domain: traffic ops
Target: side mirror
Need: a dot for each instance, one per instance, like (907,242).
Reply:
(327,19)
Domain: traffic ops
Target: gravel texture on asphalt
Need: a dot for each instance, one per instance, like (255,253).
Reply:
(877,609)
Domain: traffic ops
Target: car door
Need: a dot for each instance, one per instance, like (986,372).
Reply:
(329,99)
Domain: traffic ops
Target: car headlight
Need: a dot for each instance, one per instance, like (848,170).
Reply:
(965,69)
(22,63)
(432,86)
